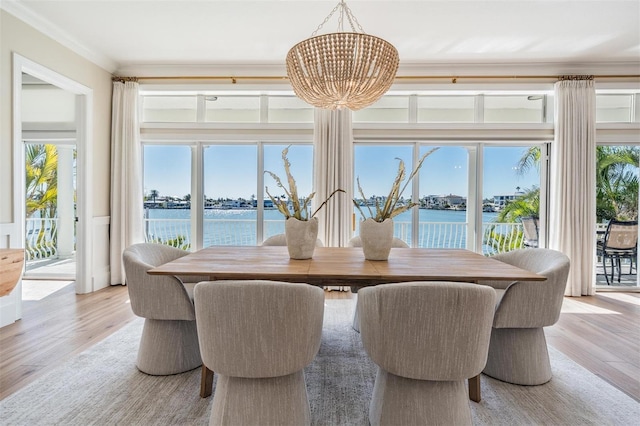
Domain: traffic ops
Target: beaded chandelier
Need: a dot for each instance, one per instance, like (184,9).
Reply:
(342,69)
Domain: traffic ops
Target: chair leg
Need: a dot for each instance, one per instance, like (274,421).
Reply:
(604,267)
(619,264)
(356,318)
(613,270)
(206,382)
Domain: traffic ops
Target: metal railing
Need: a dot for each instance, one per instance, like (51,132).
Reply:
(497,237)
(41,239)
(41,234)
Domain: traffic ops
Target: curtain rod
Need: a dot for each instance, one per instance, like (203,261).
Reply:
(453,79)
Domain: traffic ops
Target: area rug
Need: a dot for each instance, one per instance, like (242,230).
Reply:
(102,386)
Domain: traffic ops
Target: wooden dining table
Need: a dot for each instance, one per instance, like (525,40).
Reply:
(342,266)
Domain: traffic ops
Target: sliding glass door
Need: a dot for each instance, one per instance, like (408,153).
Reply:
(617,205)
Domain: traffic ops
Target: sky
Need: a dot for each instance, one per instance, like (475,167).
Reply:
(230,171)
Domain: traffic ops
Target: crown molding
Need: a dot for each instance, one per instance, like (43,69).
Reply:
(22,12)
(423,68)
(264,69)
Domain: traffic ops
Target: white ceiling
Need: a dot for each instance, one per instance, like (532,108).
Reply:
(128,36)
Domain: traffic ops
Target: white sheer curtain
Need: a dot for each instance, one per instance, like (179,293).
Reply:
(126,176)
(333,169)
(573,182)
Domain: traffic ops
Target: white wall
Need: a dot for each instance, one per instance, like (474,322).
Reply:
(18,37)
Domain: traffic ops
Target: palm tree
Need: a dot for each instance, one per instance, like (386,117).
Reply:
(154,194)
(616,180)
(41,180)
(617,183)
(527,204)
(529,160)
(41,192)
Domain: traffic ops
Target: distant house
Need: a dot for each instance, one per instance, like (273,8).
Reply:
(178,204)
(440,202)
(499,201)
(158,203)
(268,204)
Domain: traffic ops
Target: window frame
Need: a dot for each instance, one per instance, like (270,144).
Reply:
(475,135)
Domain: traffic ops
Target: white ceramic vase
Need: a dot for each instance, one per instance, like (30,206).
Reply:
(377,238)
(301,237)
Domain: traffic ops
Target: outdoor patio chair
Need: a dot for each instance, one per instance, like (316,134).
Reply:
(426,338)
(258,336)
(530,230)
(620,241)
(357,242)
(169,342)
(518,350)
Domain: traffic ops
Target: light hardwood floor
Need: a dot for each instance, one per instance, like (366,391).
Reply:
(602,333)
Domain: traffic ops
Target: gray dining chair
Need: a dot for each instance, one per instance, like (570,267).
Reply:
(357,242)
(281,240)
(169,342)
(258,336)
(518,350)
(426,338)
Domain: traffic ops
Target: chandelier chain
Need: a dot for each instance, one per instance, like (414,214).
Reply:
(352,18)
(345,10)
(325,20)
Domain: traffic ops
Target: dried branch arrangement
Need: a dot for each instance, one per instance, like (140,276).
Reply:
(390,208)
(299,207)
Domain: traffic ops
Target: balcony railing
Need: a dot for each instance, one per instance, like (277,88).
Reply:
(497,237)
(41,237)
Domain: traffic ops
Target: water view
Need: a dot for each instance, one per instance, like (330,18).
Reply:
(438,228)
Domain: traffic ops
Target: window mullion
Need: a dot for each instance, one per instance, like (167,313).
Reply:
(478,113)
(201,109)
(260,195)
(475,229)
(264,109)
(415,197)
(413,109)
(197,199)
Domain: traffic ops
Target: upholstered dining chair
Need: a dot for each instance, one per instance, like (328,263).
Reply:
(169,343)
(357,242)
(281,240)
(518,350)
(258,336)
(426,338)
